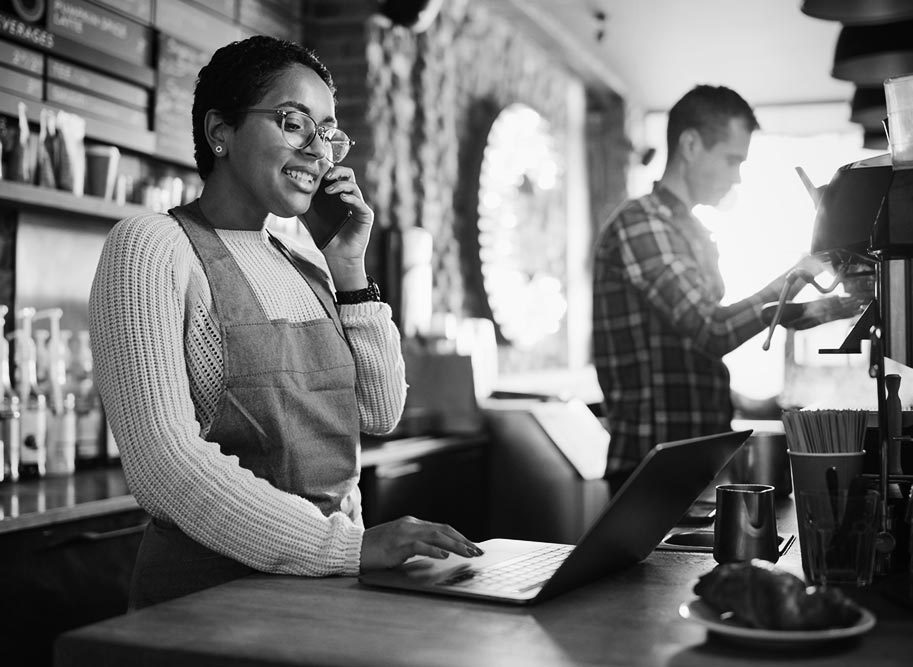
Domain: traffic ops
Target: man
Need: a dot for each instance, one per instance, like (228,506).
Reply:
(659,331)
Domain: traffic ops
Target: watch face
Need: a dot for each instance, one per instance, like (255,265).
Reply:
(373,289)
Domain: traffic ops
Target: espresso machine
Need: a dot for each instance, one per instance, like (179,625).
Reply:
(864,227)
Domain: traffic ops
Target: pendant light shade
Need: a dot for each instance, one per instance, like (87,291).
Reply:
(859,12)
(867,55)
(869,108)
(417,15)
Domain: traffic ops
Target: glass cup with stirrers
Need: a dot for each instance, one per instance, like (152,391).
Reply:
(825,456)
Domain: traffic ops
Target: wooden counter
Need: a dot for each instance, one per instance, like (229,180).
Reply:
(630,618)
(36,503)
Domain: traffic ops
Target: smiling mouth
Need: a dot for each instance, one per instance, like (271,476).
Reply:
(301,176)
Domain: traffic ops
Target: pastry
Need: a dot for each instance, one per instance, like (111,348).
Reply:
(761,595)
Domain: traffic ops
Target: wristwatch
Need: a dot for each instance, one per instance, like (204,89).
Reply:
(369,293)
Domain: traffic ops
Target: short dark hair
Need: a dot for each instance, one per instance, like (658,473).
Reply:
(237,77)
(707,109)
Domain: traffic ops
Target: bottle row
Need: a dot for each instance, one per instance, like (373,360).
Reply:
(51,418)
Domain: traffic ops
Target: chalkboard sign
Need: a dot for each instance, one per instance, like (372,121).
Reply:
(84,103)
(192,24)
(141,10)
(224,7)
(178,66)
(19,57)
(98,84)
(272,17)
(19,82)
(104,30)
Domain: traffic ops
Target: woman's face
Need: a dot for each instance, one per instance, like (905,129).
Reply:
(265,172)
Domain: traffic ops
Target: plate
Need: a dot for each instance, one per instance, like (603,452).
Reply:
(700,612)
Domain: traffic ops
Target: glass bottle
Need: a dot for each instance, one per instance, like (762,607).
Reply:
(61,423)
(61,439)
(89,434)
(9,411)
(33,404)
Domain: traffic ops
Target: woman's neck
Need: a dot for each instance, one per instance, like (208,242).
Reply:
(223,211)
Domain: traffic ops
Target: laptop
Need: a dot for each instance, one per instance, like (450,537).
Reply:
(633,523)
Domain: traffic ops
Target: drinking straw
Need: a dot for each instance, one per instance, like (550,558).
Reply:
(825,431)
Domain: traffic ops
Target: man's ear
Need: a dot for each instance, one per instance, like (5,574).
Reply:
(689,143)
(218,132)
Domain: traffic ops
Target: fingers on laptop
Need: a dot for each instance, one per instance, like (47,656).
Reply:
(439,540)
(392,543)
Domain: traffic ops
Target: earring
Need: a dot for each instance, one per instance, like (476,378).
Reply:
(218,149)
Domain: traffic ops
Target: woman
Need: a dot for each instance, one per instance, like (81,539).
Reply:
(235,386)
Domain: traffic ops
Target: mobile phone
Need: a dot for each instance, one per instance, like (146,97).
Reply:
(701,513)
(326,215)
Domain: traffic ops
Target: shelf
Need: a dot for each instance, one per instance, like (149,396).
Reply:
(21,195)
(98,129)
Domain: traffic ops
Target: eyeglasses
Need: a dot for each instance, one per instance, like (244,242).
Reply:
(300,130)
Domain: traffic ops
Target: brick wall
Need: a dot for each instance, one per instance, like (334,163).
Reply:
(419,107)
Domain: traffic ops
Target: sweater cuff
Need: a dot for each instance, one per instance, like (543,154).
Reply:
(350,314)
(348,545)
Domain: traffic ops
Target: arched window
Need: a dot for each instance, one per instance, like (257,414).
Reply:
(521,227)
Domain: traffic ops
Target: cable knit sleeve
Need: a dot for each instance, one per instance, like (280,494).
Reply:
(137,320)
(381,372)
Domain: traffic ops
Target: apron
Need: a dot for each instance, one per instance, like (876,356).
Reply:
(287,410)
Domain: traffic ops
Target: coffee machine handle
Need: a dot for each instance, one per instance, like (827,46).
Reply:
(876,353)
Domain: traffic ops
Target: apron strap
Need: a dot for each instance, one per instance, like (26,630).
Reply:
(220,267)
(316,278)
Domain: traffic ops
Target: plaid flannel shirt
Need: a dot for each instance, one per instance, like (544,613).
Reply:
(659,331)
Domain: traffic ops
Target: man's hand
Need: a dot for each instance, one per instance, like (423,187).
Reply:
(809,267)
(393,543)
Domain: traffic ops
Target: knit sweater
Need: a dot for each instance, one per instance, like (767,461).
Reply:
(158,367)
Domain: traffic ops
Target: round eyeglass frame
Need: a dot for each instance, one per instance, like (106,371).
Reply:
(331,146)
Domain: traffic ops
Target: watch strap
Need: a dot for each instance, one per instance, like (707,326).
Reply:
(369,293)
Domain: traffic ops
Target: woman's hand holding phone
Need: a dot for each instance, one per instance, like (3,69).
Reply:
(340,222)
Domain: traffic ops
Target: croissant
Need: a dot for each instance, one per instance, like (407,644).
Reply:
(761,595)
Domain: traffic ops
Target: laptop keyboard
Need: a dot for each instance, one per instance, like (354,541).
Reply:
(517,574)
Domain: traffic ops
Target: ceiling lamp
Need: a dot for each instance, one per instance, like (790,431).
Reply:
(417,15)
(859,12)
(869,108)
(867,55)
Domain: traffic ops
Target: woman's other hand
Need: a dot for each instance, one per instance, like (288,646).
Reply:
(393,543)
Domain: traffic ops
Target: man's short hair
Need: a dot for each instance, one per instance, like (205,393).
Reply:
(707,109)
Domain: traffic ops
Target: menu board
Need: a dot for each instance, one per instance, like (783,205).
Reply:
(178,66)
(101,29)
(224,7)
(19,57)
(128,66)
(97,83)
(271,17)
(17,81)
(192,24)
(138,9)
(85,103)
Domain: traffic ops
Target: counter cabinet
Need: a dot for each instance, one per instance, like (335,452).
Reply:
(442,480)
(61,576)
